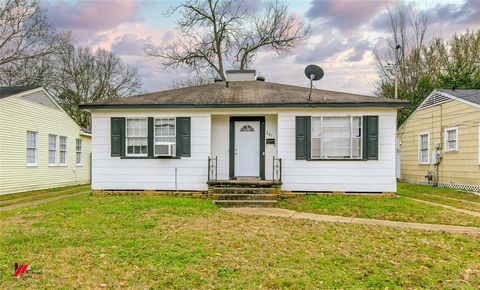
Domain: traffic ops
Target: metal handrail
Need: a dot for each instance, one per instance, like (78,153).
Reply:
(212,168)
(277,169)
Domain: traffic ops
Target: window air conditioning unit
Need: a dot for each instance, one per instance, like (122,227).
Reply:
(165,149)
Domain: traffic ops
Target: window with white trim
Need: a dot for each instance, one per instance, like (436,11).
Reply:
(32,148)
(137,136)
(451,139)
(79,151)
(52,149)
(424,148)
(165,133)
(336,137)
(63,150)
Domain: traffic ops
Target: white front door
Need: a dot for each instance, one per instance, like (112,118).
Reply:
(247,148)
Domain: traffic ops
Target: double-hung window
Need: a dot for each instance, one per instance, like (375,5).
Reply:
(424,148)
(165,136)
(136,136)
(79,151)
(63,150)
(52,149)
(32,148)
(336,137)
(451,139)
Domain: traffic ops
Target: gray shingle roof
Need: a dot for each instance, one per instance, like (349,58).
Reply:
(9,91)
(245,94)
(471,95)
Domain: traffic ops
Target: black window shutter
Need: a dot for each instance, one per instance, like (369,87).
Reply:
(151,135)
(302,137)
(186,139)
(183,132)
(117,139)
(370,137)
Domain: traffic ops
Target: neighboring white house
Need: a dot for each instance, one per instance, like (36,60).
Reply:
(163,140)
(40,144)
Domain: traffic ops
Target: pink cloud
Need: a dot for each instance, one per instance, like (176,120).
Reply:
(130,44)
(91,15)
(345,14)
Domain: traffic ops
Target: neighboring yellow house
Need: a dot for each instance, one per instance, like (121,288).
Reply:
(441,139)
(41,146)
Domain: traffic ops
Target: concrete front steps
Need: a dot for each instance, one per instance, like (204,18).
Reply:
(242,193)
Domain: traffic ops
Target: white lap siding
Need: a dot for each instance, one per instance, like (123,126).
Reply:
(349,176)
(150,174)
(209,137)
(220,144)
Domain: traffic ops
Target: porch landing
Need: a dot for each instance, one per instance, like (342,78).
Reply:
(244,192)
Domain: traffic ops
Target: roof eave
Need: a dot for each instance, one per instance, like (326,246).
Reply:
(274,105)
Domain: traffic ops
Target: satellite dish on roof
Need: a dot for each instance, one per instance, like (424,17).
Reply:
(313,73)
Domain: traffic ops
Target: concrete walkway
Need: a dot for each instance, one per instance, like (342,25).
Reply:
(40,201)
(285,213)
(454,199)
(465,211)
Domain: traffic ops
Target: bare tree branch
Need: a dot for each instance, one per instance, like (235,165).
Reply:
(407,28)
(25,33)
(275,28)
(214,32)
(91,77)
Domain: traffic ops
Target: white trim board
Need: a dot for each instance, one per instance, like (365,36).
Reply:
(445,140)
(420,146)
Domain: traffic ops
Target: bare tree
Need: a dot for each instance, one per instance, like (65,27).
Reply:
(275,28)
(407,29)
(214,32)
(405,50)
(85,77)
(25,33)
(29,72)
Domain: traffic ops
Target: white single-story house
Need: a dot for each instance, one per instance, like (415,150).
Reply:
(180,139)
(41,146)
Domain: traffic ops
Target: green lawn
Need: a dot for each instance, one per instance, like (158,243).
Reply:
(396,208)
(441,195)
(151,242)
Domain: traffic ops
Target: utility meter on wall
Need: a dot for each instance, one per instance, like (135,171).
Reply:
(436,154)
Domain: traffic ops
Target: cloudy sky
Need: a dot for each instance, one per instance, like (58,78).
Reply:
(343,33)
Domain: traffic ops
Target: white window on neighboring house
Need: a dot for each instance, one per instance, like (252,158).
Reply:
(32,148)
(52,149)
(336,137)
(63,150)
(79,151)
(451,139)
(165,136)
(424,148)
(136,137)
